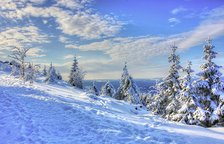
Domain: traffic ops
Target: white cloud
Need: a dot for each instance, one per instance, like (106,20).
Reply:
(133,49)
(71,46)
(7,5)
(178,10)
(82,23)
(211,26)
(22,37)
(174,21)
(35,52)
(64,40)
(213,14)
(73,4)
(37,1)
(140,50)
(68,56)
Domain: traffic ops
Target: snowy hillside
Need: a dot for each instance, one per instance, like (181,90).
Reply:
(43,113)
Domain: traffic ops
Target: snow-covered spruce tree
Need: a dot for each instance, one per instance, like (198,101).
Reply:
(220,110)
(29,73)
(148,98)
(127,90)
(76,75)
(93,89)
(166,102)
(51,75)
(209,87)
(44,71)
(187,99)
(108,90)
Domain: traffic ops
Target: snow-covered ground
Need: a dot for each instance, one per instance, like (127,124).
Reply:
(59,114)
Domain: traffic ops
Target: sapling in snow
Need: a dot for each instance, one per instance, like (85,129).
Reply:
(93,89)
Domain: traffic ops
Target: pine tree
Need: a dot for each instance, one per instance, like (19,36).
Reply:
(93,89)
(187,98)
(220,111)
(44,72)
(51,75)
(166,102)
(108,90)
(29,73)
(76,75)
(209,87)
(128,90)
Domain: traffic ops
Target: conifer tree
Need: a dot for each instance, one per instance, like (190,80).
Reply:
(127,90)
(51,75)
(187,98)
(44,72)
(166,102)
(93,89)
(209,87)
(76,75)
(108,90)
(29,73)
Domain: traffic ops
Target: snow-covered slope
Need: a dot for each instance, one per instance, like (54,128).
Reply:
(60,114)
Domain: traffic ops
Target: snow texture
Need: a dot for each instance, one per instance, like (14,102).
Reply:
(58,113)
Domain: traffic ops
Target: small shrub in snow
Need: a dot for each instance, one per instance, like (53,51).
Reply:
(59,76)
(93,89)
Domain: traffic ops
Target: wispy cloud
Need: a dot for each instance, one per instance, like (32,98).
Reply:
(70,56)
(21,37)
(174,21)
(37,1)
(140,50)
(36,52)
(64,40)
(73,4)
(178,10)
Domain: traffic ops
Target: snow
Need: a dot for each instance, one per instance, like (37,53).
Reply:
(58,113)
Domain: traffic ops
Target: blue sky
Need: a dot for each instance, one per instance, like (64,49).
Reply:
(103,34)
